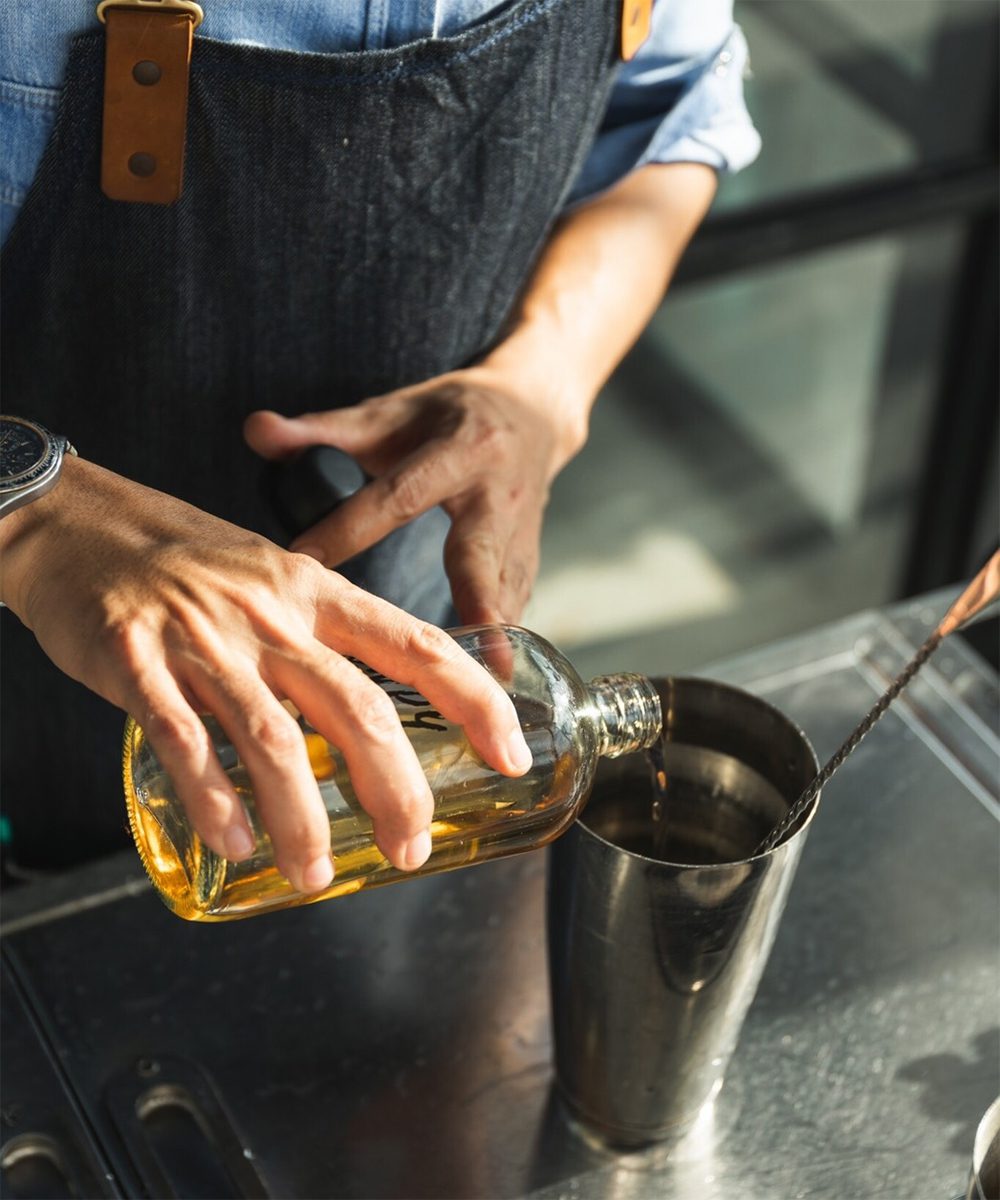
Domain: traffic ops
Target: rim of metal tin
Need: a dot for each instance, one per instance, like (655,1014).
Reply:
(987,1135)
(801,826)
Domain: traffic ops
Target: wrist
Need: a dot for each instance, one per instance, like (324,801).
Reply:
(537,366)
(22,532)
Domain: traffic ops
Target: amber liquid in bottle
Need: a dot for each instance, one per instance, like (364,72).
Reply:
(478,814)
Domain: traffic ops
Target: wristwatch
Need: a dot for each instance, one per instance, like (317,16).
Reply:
(30,461)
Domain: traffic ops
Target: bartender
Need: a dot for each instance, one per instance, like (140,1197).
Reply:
(422,232)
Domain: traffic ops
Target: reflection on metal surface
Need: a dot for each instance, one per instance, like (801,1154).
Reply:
(32,1166)
(47,1148)
(653,964)
(121,891)
(878,663)
(180,1140)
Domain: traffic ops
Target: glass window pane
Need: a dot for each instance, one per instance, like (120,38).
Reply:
(753,466)
(847,89)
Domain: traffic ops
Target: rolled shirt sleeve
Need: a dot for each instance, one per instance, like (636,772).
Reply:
(680,99)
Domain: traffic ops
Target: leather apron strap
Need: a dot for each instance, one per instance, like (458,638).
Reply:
(146,63)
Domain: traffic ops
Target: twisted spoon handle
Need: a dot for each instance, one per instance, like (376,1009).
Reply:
(980,593)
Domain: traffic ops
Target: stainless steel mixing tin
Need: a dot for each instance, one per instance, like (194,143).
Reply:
(653,964)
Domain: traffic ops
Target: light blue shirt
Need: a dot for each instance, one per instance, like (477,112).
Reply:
(679,100)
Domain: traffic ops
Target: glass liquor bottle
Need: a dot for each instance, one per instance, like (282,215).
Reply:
(479,814)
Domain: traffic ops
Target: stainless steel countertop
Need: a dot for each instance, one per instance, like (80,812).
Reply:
(396,1043)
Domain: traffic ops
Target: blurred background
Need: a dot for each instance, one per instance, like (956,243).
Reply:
(809,425)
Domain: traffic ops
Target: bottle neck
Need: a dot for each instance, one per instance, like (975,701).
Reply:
(628,713)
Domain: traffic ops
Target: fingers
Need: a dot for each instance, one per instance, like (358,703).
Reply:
(185,750)
(270,743)
(342,703)
(171,613)
(454,446)
(492,558)
(349,709)
(433,664)
(422,480)
(356,715)
(272,435)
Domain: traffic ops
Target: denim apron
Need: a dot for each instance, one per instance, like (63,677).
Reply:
(350,223)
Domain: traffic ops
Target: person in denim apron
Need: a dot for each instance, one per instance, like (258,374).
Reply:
(366,254)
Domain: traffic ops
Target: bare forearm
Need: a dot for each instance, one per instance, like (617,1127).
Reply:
(600,279)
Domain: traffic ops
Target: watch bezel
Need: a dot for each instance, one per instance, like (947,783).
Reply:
(50,454)
(42,476)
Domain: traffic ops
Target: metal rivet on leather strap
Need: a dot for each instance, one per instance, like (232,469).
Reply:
(146,72)
(146,65)
(142,165)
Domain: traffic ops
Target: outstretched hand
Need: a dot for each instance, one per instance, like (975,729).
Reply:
(468,441)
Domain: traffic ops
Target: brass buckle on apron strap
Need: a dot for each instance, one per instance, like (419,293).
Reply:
(146,64)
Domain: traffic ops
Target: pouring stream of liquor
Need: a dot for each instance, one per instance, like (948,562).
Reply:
(654,757)
(981,592)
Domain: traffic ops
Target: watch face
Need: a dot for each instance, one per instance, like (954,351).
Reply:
(23,449)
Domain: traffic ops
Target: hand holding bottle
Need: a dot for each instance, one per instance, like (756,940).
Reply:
(478,814)
(169,612)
